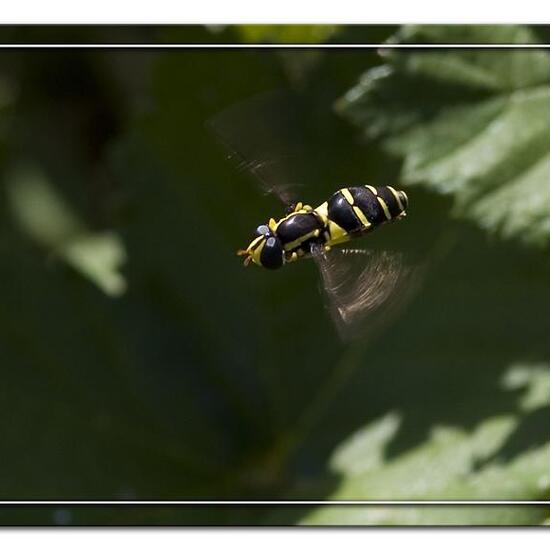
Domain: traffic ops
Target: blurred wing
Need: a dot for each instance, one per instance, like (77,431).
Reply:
(265,135)
(365,288)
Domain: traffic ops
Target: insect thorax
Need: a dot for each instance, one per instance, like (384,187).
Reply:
(299,230)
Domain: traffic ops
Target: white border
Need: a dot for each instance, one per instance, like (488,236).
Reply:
(170,12)
(272,502)
(275,538)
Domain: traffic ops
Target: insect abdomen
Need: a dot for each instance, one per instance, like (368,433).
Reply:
(357,209)
(340,211)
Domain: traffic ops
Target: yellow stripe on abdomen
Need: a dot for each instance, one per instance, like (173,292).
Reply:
(397,197)
(362,217)
(372,189)
(348,196)
(385,208)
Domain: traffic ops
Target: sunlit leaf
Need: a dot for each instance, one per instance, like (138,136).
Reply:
(472,124)
(451,465)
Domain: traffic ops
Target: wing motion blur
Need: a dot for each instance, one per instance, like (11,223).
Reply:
(264,135)
(365,288)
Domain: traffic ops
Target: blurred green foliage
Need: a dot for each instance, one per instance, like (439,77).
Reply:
(203,380)
(44,217)
(282,34)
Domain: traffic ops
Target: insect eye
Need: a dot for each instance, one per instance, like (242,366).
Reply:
(272,253)
(262,230)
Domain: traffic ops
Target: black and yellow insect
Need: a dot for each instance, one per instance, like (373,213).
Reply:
(363,286)
(351,212)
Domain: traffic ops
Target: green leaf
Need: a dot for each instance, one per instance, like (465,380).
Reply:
(452,464)
(472,124)
(47,219)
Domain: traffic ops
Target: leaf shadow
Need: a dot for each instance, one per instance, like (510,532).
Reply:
(532,432)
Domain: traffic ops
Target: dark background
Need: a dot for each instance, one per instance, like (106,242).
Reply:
(195,378)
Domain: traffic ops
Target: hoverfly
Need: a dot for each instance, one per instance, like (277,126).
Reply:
(362,286)
(349,213)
